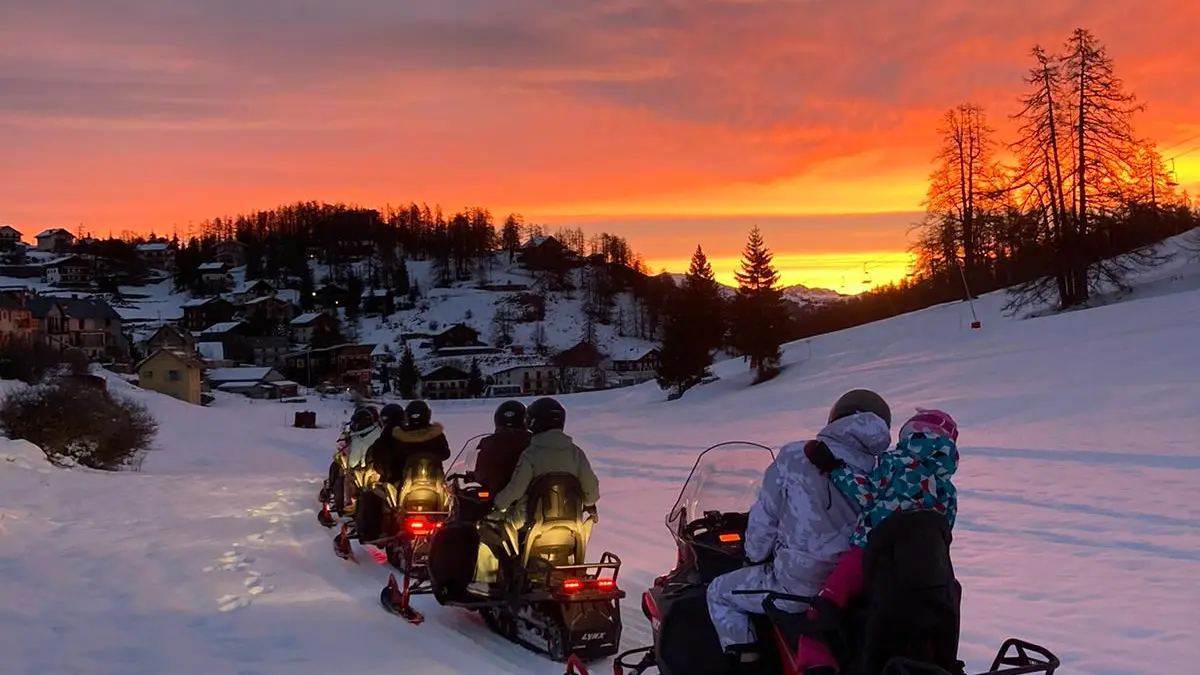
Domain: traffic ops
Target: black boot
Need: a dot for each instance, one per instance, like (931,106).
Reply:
(745,660)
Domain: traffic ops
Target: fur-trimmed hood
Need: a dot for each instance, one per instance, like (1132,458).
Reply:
(424,435)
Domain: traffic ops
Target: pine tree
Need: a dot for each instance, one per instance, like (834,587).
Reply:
(400,282)
(693,328)
(408,376)
(759,313)
(354,291)
(475,385)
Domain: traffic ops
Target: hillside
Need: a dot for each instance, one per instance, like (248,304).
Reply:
(1077,526)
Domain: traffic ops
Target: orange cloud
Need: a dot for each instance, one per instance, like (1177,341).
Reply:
(172,111)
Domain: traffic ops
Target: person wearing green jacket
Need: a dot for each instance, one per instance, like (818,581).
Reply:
(550,450)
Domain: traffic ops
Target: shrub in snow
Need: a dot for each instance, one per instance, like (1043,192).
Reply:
(75,421)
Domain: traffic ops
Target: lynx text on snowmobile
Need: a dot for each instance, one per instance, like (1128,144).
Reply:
(549,598)
(708,523)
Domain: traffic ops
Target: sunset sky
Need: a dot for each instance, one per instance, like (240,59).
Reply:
(671,122)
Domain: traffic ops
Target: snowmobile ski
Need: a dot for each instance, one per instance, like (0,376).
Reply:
(324,517)
(341,545)
(395,601)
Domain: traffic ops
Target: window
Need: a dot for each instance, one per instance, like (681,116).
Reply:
(149,374)
(174,375)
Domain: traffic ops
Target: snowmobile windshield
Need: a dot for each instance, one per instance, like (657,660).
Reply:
(725,478)
(464,461)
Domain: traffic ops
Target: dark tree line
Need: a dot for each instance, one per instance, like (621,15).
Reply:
(699,321)
(1076,212)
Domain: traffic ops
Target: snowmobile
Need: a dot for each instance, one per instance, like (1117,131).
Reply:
(411,513)
(340,496)
(902,625)
(548,598)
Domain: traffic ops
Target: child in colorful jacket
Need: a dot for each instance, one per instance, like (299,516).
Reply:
(914,476)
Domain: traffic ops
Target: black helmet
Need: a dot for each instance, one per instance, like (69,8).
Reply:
(417,415)
(545,414)
(510,415)
(391,415)
(363,418)
(858,401)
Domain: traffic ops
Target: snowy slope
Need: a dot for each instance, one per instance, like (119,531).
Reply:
(1078,524)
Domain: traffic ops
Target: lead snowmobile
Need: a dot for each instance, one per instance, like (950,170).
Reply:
(907,623)
(349,473)
(549,598)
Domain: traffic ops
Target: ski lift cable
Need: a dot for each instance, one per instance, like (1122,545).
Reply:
(1183,142)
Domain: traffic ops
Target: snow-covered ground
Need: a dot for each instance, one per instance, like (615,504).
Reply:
(1078,528)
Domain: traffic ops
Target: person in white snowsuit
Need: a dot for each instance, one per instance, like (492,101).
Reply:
(799,525)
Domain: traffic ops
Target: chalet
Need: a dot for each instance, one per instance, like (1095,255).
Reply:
(632,367)
(254,382)
(215,277)
(177,374)
(458,335)
(171,338)
(268,350)
(259,288)
(268,309)
(346,366)
(90,325)
(201,313)
(157,255)
(305,326)
(330,296)
(354,366)
(56,240)
(10,237)
(16,321)
(70,272)
(445,382)
(232,253)
(377,301)
(580,368)
(534,380)
(546,253)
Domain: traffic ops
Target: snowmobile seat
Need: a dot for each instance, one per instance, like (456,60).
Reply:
(422,487)
(554,527)
(911,596)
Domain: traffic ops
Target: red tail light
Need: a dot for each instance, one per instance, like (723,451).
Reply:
(419,525)
(571,585)
(606,584)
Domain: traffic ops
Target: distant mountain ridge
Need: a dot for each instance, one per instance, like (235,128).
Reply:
(797,293)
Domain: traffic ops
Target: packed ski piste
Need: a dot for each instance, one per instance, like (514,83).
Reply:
(828,556)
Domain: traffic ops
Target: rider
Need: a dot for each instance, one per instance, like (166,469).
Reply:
(916,475)
(797,527)
(550,451)
(415,434)
(358,434)
(499,451)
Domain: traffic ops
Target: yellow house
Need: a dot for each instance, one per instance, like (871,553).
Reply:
(176,374)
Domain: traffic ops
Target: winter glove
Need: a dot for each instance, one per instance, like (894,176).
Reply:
(821,456)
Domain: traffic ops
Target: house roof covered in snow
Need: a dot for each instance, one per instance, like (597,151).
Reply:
(76,308)
(153,247)
(223,327)
(265,299)
(247,374)
(54,232)
(446,373)
(306,319)
(212,267)
(183,357)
